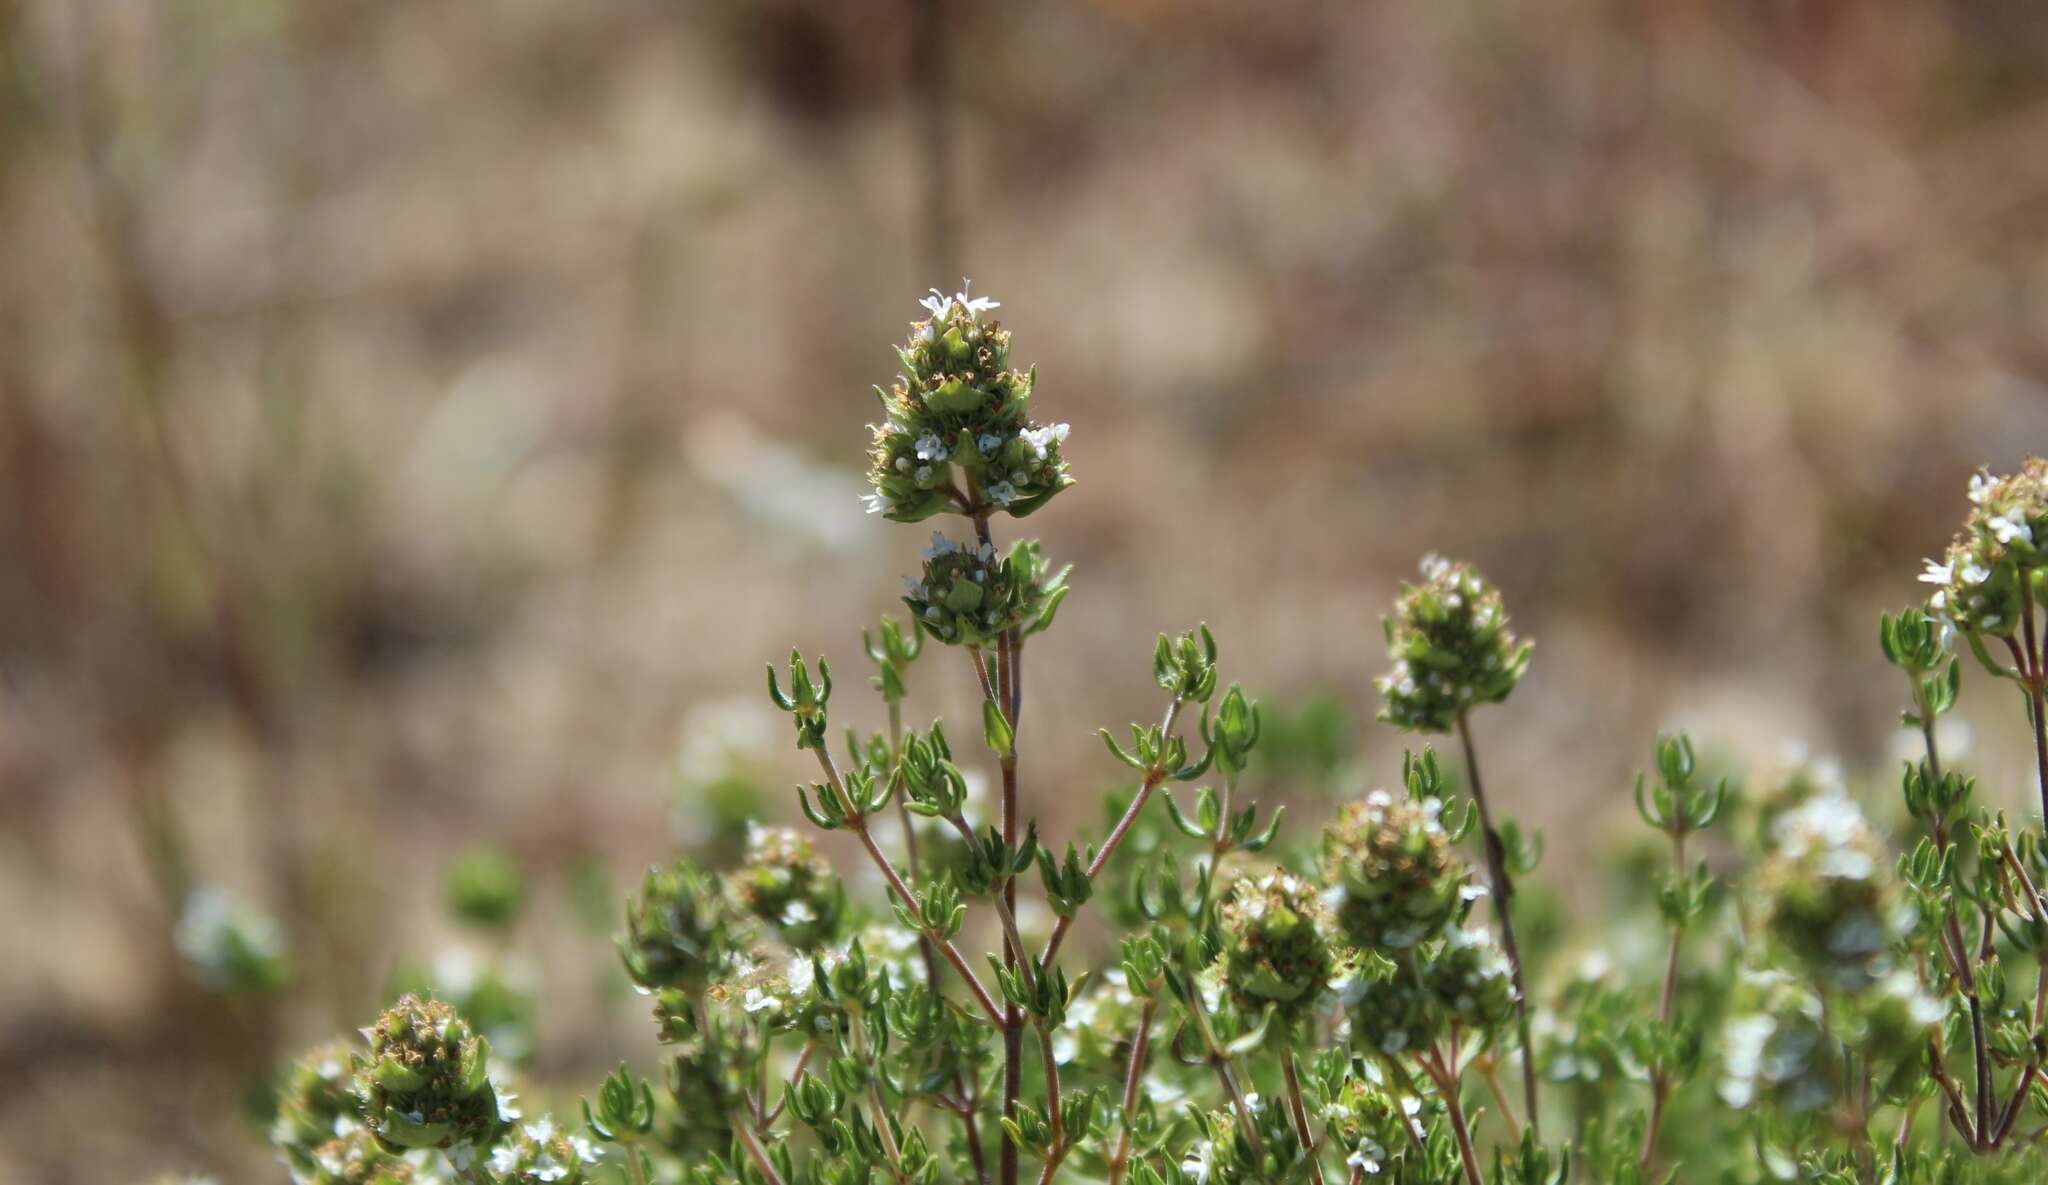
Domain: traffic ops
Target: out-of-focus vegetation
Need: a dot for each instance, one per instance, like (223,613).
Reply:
(415,419)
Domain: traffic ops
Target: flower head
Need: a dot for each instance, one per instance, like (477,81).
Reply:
(426,1080)
(1394,879)
(957,432)
(1980,578)
(1275,954)
(1451,646)
(787,885)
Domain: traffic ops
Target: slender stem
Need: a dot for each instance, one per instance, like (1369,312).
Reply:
(1001,690)
(1011,934)
(1220,1063)
(1958,1114)
(633,1169)
(1134,1073)
(1294,1104)
(1489,1073)
(1667,1003)
(953,955)
(1503,893)
(1153,778)
(903,893)
(1447,1089)
(758,1155)
(1052,1107)
(803,1059)
(877,1108)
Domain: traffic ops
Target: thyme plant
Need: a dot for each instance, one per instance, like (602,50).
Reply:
(1197,994)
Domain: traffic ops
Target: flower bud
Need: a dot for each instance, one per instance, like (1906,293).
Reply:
(1451,646)
(1394,878)
(675,931)
(425,1082)
(1460,979)
(318,1114)
(787,885)
(969,597)
(1275,954)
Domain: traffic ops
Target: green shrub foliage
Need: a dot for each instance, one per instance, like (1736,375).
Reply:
(1782,988)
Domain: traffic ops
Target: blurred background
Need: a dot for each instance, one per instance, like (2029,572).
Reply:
(420,420)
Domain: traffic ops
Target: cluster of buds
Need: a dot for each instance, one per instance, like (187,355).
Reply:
(1394,877)
(1372,1126)
(786,884)
(959,405)
(1828,904)
(1275,953)
(675,930)
(318,1132)
(1459,980)
(426,1081)
(969,596)
(1451,646)
(1230,1152)
(2003,543)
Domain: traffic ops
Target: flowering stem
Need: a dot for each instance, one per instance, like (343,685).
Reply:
(1301,1129)
(1956,948)
(757,1154)
(1447,1089)
(1220,1062)
(1503,892)
(1002,691)
(1153,777)
(2035,678)
(1667,1000)
(1134,1073)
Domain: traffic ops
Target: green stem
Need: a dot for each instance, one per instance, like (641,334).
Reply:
(1134,1073)
(1503,893)
(1300,1112)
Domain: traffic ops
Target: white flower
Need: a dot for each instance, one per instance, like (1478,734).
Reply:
(2006,530)
(1981,485)
(1975,573)
(989,442)
(542,1131)
(941,546)
(939,304)
(1004,493)
(930,447)
(1938,573)
(1041,439)
(876,503)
